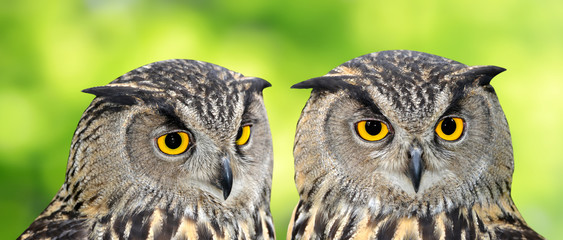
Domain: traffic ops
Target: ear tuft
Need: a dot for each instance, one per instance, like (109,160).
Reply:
(482,74)
(257,84)
(330,83)
(118,94)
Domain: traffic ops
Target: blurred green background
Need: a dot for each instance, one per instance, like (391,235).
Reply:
(51,50)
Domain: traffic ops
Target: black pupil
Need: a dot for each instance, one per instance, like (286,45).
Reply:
(448,126)
(239,133)
(173,140)
(373,127)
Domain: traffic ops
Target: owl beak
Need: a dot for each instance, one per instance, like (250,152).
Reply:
(415,167)
(226,180)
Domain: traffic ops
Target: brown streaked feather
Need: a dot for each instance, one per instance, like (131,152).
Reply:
(491,222)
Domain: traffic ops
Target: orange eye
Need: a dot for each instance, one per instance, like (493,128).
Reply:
(372,130)
(173,143)
(243,135)
(450,128)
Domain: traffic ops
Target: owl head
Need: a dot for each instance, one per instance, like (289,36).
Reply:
(172,134)
(404,130)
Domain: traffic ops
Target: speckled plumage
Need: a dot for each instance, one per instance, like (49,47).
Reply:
(120,186)
(354,189)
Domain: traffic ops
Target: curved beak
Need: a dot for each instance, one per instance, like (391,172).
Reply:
(226,177)
(415,167)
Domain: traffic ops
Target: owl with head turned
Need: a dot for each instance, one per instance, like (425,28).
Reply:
(176,149)
(404,145)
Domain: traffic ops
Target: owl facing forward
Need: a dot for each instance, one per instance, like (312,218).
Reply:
(175,149)
(404,145)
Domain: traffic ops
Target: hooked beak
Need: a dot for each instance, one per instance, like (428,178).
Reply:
(226,179)
(415,167)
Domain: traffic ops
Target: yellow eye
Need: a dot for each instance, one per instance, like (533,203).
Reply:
(243,135)
(372,130)
(450,128)
(173,143)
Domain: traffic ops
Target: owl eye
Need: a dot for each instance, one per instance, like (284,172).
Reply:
(243,135)
(173,143)
(372,130)
(450,128)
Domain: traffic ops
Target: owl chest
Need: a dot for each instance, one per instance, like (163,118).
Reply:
(159,225)
(323,223)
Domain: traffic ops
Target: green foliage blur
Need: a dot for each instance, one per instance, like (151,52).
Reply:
(51,50)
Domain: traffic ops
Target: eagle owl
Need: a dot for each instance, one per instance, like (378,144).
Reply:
(175,149)
(404,145)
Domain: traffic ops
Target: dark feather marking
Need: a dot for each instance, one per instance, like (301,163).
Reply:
(449,227)
(76,194)
(387,230)
(216,227)
(427,227)
(508,218)
(140,224)
(320,224)
(530,234)
(73,195)
(92,199)
(167,110)
(315,185)
(472,230)
(271,231)
(63,229)
(203,232)
(421,97)
(169,226)
(301,226)
(237,233)
(333,229)
(298,212)
(77,206)
(348,230)
(364,98)
(454,108)
(119,224)
(503,233)
(195,213)
(75,186)
(107,234)
(105,219)
(249,99)
(457,224)
(508,187)
(326,195)
(257,224)
(480,223)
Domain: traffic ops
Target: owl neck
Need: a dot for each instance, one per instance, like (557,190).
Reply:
(499,220)
(135,212)
(344,212)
